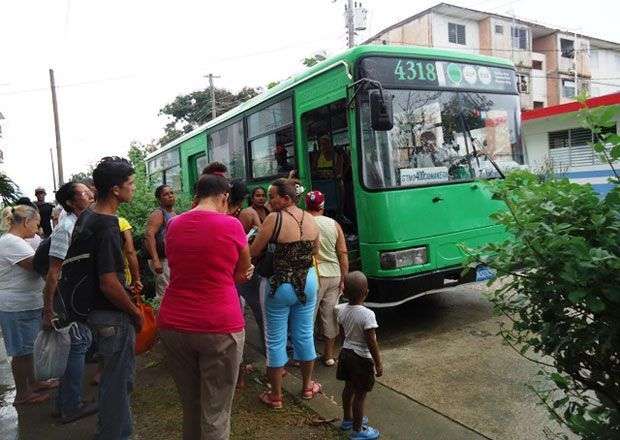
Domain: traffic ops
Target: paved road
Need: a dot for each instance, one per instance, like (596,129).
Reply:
(442,351)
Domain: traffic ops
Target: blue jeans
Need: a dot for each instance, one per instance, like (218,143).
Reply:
(250,292)
(283,314)
(69,395)
(116,338)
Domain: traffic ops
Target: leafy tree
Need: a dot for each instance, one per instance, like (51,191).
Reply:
(272,84)
(194,109)
(82,175)
(9,191)
(561,287)
(314,59)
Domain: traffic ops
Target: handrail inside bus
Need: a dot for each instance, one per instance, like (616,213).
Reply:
(217,120)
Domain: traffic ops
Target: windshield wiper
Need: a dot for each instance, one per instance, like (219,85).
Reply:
(475,153)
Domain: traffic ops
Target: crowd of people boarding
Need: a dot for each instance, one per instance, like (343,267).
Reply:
(288,265)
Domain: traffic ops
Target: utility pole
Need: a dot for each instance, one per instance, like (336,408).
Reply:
(53,170)
(211,76)
(350,24)
(576,78)
(57,130)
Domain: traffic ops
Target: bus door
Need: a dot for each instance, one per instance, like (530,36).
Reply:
(326,138)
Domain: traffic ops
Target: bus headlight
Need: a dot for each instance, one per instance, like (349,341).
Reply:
(408,257)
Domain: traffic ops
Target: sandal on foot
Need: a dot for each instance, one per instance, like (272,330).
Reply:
(268,399)
(329,362)
(313,390)
(347,424)
(32,398)
(84,410)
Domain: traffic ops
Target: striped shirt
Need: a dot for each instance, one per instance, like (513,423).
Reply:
(61,236)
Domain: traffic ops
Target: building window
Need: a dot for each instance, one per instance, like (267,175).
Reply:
(499,29)
(538,104)
(567,47)
(272,141)
(227,145)
(568,88)
(456,33)
(523,83)
(537,65)
(519,38)
(572,148)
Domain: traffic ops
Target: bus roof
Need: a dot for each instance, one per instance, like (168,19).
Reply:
(347,59)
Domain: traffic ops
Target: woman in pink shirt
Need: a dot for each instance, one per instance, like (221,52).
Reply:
(200,320)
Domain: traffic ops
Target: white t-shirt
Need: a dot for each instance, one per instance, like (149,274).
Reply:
(34,242)
(20,289)
(355,320)
(61,236)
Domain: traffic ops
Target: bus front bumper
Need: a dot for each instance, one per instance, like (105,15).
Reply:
(392,292)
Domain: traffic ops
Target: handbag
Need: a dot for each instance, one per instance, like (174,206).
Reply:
(264,266)
(145,339)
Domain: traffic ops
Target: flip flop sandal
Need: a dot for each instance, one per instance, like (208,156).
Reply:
(32,399)
(309,393)
(329,362)
(47,385)
(268,399)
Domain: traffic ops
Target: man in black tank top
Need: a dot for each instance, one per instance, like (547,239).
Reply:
(154,243)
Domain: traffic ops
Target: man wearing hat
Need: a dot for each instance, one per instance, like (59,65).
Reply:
(45,211)
(333,265)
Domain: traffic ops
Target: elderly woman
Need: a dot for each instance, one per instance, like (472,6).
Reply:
(289,296)
(21,298)
(200,320)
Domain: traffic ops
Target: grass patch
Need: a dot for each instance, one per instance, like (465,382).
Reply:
(158,415)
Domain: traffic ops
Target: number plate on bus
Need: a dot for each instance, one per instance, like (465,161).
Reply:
(484,273)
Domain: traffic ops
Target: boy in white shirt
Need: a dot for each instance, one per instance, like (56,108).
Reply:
(359,356)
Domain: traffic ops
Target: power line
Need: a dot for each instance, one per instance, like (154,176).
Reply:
(81,83)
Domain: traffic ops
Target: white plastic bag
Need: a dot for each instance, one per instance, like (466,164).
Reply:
(51,351)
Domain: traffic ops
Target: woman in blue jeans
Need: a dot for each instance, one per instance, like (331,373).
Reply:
(289,296)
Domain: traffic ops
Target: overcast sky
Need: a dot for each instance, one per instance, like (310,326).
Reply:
(118,62)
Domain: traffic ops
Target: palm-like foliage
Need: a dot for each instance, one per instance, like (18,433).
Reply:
(9,191)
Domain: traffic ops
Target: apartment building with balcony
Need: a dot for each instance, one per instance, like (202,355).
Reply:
(552,64)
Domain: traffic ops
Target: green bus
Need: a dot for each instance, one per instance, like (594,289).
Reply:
(398,138)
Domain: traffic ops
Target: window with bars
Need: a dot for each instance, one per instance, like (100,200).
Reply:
(568,88)
(523,83)
(519,38)
(456,33)
(567,47)
(571,148)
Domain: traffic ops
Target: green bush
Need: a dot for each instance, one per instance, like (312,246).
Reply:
(561,287)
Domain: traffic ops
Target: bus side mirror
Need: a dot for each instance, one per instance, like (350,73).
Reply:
(381,114)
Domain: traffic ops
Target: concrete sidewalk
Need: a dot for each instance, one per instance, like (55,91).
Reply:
(396,416)
(33,422)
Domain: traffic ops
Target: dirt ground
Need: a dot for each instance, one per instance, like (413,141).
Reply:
(157,410)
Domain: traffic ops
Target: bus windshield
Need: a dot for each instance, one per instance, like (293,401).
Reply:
(436,134)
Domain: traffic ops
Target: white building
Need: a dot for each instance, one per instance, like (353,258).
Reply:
(554,136)
(549,61)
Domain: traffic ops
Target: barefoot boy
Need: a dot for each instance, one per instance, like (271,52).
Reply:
(359,350)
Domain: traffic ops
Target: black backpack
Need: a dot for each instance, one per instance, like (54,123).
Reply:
(79,281)
(41,259)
